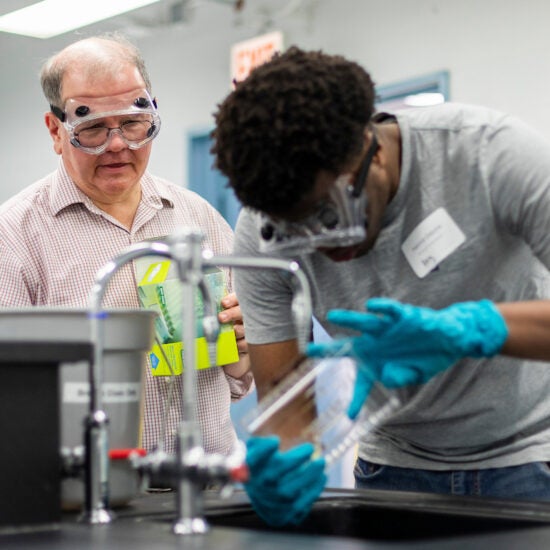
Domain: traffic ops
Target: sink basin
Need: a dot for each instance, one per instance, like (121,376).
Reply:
(393,516)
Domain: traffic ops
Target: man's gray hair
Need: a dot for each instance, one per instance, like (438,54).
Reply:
(121,51)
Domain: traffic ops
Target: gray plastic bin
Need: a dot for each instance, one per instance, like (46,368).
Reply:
(128,337)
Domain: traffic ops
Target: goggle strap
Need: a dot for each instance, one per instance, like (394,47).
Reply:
(58,113)
(360,181)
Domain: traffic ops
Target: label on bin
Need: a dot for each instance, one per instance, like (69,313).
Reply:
(113,392)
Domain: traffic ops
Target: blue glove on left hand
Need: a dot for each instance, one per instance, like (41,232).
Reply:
(403,344)
(283,485)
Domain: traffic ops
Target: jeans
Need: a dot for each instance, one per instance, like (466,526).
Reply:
(525,482)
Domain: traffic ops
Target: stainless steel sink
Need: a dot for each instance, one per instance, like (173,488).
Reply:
(393,516)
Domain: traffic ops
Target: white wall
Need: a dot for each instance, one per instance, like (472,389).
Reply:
(497,52)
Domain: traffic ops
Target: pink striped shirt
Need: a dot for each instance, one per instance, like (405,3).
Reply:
(53,240)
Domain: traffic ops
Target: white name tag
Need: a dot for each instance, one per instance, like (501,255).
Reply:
(115,392)
(431,242)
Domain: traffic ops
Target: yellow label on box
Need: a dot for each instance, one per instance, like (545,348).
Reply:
(226,352)
(156,273)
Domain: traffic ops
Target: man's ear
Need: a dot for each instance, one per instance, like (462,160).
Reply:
(54,127)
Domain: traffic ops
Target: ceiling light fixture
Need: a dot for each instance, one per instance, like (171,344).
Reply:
(52,17)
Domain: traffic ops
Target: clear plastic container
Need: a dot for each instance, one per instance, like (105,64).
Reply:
(311,404)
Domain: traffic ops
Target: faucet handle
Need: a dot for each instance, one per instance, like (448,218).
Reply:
(239,474)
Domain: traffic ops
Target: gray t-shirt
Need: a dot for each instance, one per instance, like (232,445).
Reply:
(491,174)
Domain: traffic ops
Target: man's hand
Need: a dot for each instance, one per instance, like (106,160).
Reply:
(232,314)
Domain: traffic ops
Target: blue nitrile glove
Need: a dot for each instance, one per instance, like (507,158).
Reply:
(403,344)
(283,485)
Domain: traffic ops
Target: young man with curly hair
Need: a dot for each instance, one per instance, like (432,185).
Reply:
(439,219)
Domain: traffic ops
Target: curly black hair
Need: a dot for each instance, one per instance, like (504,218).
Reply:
(293,116)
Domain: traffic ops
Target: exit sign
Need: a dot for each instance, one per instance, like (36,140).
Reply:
(247,55)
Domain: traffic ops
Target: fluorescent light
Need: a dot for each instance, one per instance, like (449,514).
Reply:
(52,17)
(424,99)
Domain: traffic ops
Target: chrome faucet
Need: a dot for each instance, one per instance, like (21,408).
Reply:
(96,480)
(192,466)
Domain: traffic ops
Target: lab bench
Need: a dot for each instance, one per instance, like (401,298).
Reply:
(341,519)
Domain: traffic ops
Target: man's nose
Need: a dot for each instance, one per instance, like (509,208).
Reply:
(116,141)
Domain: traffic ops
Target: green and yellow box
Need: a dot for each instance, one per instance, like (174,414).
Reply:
(161,291)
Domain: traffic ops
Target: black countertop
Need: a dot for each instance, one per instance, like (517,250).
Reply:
(342,519)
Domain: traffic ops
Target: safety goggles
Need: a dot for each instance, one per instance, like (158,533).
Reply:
(339,221)
(85,119)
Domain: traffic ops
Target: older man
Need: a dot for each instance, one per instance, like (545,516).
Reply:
(57,233)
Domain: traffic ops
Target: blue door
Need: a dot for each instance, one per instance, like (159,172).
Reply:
(207,181)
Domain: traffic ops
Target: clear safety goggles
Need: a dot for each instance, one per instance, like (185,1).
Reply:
(338,222)
(86,120)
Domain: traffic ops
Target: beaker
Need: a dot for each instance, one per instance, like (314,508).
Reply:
(311,404)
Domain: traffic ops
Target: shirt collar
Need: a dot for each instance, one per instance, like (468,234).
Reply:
(155,192)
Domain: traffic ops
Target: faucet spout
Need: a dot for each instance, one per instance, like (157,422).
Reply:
(301,302)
